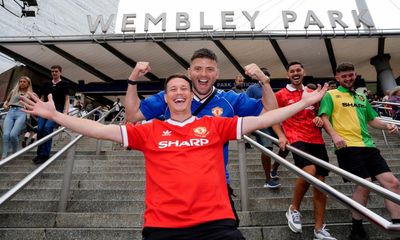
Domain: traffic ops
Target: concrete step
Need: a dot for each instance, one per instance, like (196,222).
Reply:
(340,231)
(135,220)
(137,205)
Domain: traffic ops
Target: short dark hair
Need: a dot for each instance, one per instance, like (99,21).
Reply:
(294,63)
(56,66)
(204,53)
(265,71)
(177,75)
(344,67)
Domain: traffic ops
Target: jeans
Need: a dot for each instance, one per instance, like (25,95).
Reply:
(12,126)
(45,127)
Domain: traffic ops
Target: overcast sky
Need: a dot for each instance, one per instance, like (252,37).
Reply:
(385,13)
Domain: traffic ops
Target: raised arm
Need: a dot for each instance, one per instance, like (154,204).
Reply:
(276,116)
(132,100)
(268,96)
(83,126)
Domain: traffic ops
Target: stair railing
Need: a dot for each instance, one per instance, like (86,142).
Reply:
(340,197)
(68,164)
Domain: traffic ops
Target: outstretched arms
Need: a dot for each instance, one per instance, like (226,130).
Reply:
(86,127)
(276,116)
(132,101)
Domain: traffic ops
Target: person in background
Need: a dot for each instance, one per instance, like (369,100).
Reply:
(346,115)
(303,132)
(186,194)
(332,85)
(15,118)
(60,91)
(239,84)
(31,131)
(271,175)
(395,98)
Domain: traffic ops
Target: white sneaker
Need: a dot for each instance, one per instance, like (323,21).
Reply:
(323,234)
(294,220)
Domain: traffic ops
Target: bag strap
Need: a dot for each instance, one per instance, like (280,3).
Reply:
(205,103)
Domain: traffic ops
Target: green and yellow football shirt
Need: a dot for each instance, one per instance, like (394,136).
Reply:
(349,113)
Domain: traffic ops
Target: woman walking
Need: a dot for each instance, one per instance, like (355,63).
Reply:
(15,118)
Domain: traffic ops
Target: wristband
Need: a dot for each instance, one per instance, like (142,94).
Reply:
(132,82)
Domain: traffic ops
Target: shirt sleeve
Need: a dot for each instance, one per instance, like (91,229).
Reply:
(153,106)
(246,106)
(135,136)
(326,105)
(370,112)
(225,126)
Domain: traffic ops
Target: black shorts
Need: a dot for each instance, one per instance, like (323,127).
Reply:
(221,229)
(317,150)
(365,162)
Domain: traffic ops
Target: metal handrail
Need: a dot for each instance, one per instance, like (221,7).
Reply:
(21,184)
(382,222)
(386,103)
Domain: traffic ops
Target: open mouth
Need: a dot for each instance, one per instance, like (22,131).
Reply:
(203,81)
(179,100)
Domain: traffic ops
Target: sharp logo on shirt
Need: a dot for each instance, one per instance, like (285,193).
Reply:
(217,111)
(195,142)
(357,105)
(200,131)
(166,133)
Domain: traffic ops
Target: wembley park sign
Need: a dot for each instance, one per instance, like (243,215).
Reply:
(183,21)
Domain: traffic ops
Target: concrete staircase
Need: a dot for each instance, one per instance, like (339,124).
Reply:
(107,193)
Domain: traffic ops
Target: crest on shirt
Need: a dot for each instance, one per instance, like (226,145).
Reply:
(217,111)
(200,131)
(166,133)
(361,98)
(291,101)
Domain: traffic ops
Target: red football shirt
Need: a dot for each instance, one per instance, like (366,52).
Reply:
(299,127)
(185,174)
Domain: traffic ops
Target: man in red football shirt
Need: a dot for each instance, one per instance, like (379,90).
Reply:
(186,194)
(303,131)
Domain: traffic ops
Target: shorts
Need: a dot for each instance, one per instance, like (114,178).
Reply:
(365,162)
(317,150)
(263,140)
(221,229)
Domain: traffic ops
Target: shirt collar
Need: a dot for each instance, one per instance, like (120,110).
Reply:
(202,100)
(342,89)
(292,89)
(177,123)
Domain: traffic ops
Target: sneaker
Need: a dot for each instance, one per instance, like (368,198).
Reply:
(272,184)
(323,234)
(274,174)
(294,220)
(360,234)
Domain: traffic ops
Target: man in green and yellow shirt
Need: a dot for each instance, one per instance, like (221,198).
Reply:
(346,115)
